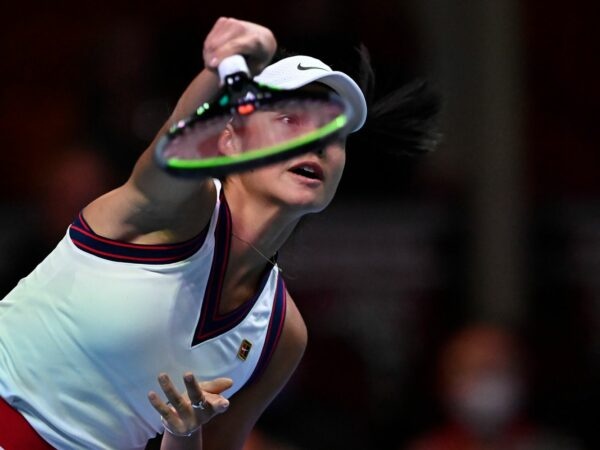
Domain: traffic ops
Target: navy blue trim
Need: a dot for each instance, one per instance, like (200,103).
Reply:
(274,332)
(211,323)
(86,240)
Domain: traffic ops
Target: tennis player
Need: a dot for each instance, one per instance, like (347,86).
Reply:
(163,310)
(169,278)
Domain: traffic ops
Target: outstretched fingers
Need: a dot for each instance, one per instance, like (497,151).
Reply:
(207,394)
(184,413)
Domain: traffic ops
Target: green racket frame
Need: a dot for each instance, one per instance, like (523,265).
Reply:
(241,96)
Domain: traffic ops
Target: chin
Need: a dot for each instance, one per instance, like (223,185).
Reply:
(312,206)
(302,199)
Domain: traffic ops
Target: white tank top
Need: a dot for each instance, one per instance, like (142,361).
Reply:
(84,336)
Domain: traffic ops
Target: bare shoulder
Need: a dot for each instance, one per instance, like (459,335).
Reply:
(153,208)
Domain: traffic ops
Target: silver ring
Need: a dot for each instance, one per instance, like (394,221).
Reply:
(201,405)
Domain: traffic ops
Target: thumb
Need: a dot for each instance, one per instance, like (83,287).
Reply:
(217,385)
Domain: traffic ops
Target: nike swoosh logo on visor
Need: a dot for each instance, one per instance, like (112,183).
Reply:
(301,67)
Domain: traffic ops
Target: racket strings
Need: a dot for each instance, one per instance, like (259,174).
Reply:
(272,125)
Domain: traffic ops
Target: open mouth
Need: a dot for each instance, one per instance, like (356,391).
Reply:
(306,170)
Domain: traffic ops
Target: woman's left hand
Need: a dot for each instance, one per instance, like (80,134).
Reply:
(184,413)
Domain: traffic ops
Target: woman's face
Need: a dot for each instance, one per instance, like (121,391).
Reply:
(307,182)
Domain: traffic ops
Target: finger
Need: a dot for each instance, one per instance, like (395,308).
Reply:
(216,403)
(176,400)
(170,418)
(257,54)
(207,402)
(230,36)
(223,30)
(222,25)
(193,389)
(217,385)
(161,407)
(209,399)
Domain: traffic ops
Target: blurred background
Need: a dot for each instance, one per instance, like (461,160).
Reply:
(453,300)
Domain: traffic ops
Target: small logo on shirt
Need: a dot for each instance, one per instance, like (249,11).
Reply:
(244,349)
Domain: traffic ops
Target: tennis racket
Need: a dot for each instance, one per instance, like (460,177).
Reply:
(251,125)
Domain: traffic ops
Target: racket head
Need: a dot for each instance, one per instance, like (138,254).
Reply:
(269,125)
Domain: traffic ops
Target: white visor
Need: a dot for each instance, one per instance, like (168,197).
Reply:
(298,71)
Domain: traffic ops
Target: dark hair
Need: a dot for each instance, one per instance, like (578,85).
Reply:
(407,118)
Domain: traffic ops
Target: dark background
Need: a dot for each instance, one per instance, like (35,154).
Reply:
(501,223)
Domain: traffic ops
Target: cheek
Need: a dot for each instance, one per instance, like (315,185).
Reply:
(262,178)
(339,165)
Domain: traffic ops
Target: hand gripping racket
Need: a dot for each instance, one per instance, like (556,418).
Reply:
(250,125)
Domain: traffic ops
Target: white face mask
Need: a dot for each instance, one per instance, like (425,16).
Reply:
(488,402)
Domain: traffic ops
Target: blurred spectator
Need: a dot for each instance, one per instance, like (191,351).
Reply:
(483,384)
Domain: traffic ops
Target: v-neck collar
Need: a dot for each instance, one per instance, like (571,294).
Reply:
(211,322)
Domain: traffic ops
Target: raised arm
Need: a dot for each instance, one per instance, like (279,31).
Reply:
(153,207)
